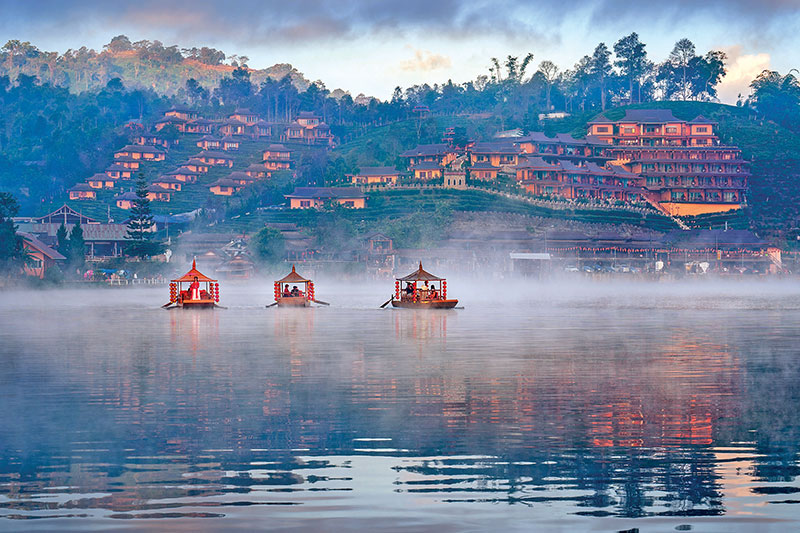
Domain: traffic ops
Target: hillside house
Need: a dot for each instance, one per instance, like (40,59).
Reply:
(197,165)
(179,123)
(225,187)
(125,200)
(256,171)
(209,142)
(118,171)
(41,257)
(157,193)
(230,144)
(168,182)
(316,197)
(184,174)
(101,181)
(128,162)
(308,129)
(244,115)
(215,158)
(182,113)
(200,125)
(82,191)
(240,178)
(145,153)
(375,175)
(277,157)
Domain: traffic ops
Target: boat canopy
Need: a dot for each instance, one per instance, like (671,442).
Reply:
(420,275)
(193,273)
(293,277)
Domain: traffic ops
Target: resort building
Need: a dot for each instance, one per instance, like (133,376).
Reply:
(230,144)
(214,158)
(277,157)
(316,197)
(101,181)
(225,187)
(137,151)
(41,257)
(374,175)
(128,162)
(181,113)
(118,171)
(496,154)
(200,125)
(440,154)
(178,122)
(241,178)
(256,170)
(197,165)
(125,200)
(158,193)
(308,129)
(685,169)
(149,139)
(82,191)
(168,182)
(209,142)
(563,147)
(244,115)
(184,174)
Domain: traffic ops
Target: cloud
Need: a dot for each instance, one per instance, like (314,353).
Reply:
(425,61)
(742,69)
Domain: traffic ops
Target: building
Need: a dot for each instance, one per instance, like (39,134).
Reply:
(197,165)
(496,154)
(230,144)
(317,197)
(168,182)
(484,171)
(686,171)
(588,180)
(149,139)
(439,154)
(131,163)
(563,147)
(103,240)
(82,191)
(181,113)
(178,122)
(41,257)
(308,129)
(101,181)
(277,157)
(158,193)
(427,170)
(215,158)
(256,170)
(118,171)
(209,142)
(225,187)
(244,115)
(184,174)
(125,200)
(145,153)
(200,125)
(375,175)
(241,178)
(455,179)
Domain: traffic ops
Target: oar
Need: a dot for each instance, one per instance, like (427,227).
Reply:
(272,305)
(166,305)
(387,302)
(320,302)
(217,306)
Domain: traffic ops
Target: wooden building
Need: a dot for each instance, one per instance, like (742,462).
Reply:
(225,187)
(119,171)
(82,191)
(375,175)
(158,193)
(41,257)
(125,200)
(101,181)
(144,153)
(184,174)
(200,125)
(197,165)
(277,157)
(215,158)
(316,197)
(209,142)
(308,129)
(168,182)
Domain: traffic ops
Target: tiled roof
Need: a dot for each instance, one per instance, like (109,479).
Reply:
(378,171)
(326,192)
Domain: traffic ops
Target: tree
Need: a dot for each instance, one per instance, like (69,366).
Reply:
(600,69)
(62,241)
(549,72)
(140,226)
(11,245)
(120,43)
(777,97)
(269,245)
(77,246)
(632,62)
(680,61)
(708,72)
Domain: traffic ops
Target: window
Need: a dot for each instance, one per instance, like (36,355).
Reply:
(601,129)
(305,203)
(672,129)
(651,129)
(349,203)
(701,129)
(628,130)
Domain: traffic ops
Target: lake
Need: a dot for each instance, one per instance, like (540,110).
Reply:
(564,407)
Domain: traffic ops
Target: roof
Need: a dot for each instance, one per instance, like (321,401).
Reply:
(700,119)
(63,212)
(214,154)
(420,275)
(276,148)
(98,177)
(224,182)
(239,175)
(427,165)
(194,273)
(326,192)
(183,171)
(130,196)
(166,178)
(141,148)
(307,114)
(716,238)
(495,148)
(42,247)
(195,161)
(80,187)
(210,138)
(378,171)
(601,119)
(649,115)
(293,277)
(483,165)
(158,188)
(118,166)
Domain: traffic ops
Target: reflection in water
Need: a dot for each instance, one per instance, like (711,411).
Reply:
(556,411)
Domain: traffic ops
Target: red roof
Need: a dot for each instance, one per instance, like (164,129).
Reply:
(293,277)
(420,275)
(193,273)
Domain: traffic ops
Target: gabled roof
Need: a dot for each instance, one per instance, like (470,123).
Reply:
(214,154)
(420,275)
(700,119)
(64,212)
(158,188)
(166,178)
(326,192)
(42,247)
(378,171)
(224,182)
(183,171)
(194,273)
(141,149)
(99,177)
(601,119)
(307,114)
(276,148)
(195,161)
(494,148)
(293,277)
(239,175)
(80,187)
(427,165)
(655,116)
(130,195)
(118,166)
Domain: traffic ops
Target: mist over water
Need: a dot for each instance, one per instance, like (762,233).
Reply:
(566,406)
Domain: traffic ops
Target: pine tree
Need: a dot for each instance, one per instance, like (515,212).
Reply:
(62,244)
(77,246)
(140,225)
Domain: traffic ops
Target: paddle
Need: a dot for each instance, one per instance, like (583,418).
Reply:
(387,302)
(272,305)
(166,305)
(320,302)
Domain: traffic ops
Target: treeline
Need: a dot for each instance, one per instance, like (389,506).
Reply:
(50,138)
(140,64)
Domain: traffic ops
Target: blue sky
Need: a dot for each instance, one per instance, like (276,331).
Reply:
(370,47)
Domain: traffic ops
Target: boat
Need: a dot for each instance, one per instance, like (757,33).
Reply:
(288,294)
(421,292)
(200,291)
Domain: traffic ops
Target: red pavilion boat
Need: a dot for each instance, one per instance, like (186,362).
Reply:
(421,292)
(200,291)
(288,294)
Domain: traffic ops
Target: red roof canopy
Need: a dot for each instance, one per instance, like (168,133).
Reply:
(420,275)
(193,273)
(293,277)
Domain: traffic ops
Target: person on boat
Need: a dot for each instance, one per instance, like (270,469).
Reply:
(295,291)
(194,289)
(409,290)
(286,293)
(433,295)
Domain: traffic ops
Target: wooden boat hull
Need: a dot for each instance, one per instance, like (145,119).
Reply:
(197,304)
(430,304)
(294,302)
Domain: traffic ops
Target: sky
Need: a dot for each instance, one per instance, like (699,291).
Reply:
(373,46)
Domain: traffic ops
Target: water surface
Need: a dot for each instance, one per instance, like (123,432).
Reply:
(564,407)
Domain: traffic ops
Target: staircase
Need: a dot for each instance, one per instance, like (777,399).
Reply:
(680,223)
